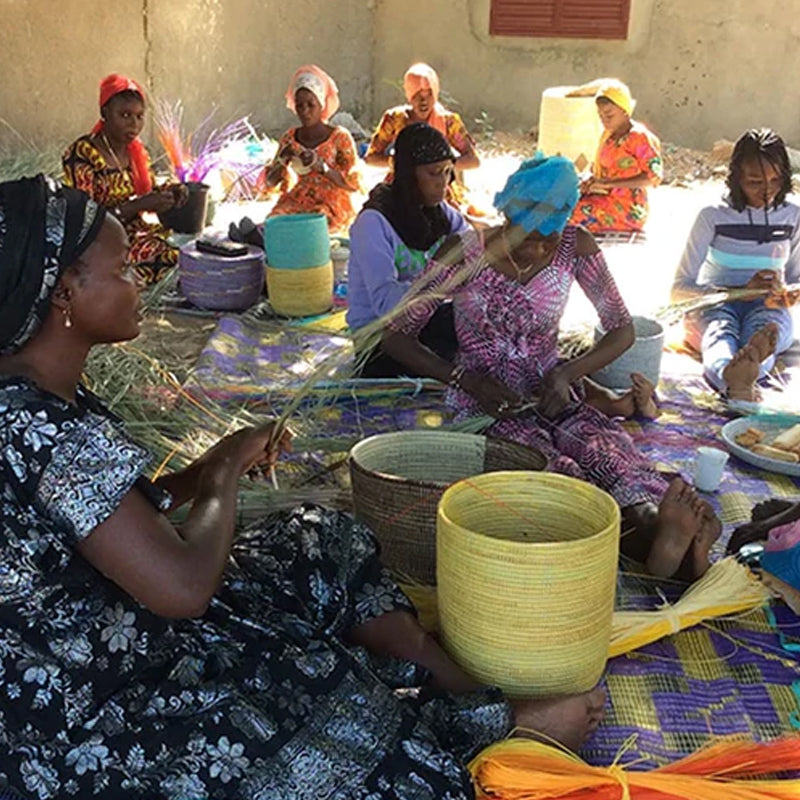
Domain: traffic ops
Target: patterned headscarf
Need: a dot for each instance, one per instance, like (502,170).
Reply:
(44,228)
(320,84)
(421,76)
(541,195)
(418,226)
(110,87)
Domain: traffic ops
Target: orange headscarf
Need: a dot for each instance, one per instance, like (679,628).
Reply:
(320,84)
(421,76)
(111,86)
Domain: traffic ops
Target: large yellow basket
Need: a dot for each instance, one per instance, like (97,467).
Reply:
(526,573)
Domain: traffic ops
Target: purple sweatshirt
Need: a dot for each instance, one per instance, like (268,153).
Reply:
(382,267)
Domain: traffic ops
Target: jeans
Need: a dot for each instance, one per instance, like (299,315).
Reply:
(720,331)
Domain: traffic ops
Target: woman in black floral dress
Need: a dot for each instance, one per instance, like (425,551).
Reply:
(138,660)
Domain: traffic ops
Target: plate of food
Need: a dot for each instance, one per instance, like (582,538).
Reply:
(771,443)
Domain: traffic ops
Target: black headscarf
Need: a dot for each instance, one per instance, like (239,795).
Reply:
(417,225)
(44,228)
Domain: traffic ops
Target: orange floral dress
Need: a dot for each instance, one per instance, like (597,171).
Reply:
(621,209)
(85,168)
(395,119)
(313,192)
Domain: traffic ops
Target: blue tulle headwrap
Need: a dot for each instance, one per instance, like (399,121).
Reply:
(541,195)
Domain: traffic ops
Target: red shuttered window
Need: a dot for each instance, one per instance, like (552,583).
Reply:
(582,19)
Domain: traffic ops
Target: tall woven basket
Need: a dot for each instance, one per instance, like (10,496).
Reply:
(569,126)
(527,566)
(300,292)
(297,241)
(398,479)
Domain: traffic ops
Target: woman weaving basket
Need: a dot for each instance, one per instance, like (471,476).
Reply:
(139,659)
(509,286)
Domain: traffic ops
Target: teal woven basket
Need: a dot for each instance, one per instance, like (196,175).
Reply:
(297,241)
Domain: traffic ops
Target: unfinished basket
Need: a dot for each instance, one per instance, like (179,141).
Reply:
(527,566)
(644,356)
(398,479)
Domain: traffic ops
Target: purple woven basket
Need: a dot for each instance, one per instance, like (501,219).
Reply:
(218,283)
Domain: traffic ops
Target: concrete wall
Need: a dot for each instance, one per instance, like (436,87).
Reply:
(235,55)
(700,69)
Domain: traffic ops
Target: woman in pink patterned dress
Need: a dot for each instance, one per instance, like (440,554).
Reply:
(509,286)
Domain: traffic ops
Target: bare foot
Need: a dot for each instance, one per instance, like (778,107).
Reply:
(769,508)
(569,720)
(765,340)
(644,396)
(710,530)
(678,524)
(741,373)
(623,405)
(609,402)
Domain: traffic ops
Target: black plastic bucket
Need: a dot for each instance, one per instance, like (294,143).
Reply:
(190,217)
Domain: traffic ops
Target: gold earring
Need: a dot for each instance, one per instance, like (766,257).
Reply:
(67,318)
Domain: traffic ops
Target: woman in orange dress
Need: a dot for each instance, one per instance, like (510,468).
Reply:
(316,162)
(112,165)
(421,86)
(628,162)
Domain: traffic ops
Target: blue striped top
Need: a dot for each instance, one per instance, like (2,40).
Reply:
(727,247)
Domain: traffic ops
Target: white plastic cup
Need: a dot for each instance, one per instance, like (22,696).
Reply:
(709,464)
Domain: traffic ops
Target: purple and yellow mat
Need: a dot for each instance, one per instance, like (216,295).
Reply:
(735,676)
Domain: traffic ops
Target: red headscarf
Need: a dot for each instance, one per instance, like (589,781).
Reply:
(421,76)
(111,86)
(320,84)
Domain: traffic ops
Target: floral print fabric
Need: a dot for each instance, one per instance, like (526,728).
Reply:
(259,699)
(509,330)
(637,152)
(313,193)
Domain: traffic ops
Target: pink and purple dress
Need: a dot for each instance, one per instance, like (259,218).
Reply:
(510,331)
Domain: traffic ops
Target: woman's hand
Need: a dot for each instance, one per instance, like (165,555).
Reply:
(157,201)
(493,396)
(249,448)
(180,193)
(555,392)
(765,280)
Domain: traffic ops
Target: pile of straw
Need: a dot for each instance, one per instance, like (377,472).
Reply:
(522,769)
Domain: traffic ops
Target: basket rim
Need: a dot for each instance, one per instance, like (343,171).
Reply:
(289,218)
(417,482)
(541,475)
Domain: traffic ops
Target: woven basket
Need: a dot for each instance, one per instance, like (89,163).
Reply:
(398,479)
(300,292)
(644,356)
(219,283)
(569,126)
(527,566)
(297,241)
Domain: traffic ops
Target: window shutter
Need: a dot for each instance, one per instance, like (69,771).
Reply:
(584,19)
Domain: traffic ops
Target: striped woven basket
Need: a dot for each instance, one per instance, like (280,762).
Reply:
(221,283)
(527,566)
(398,479)
(300,292)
